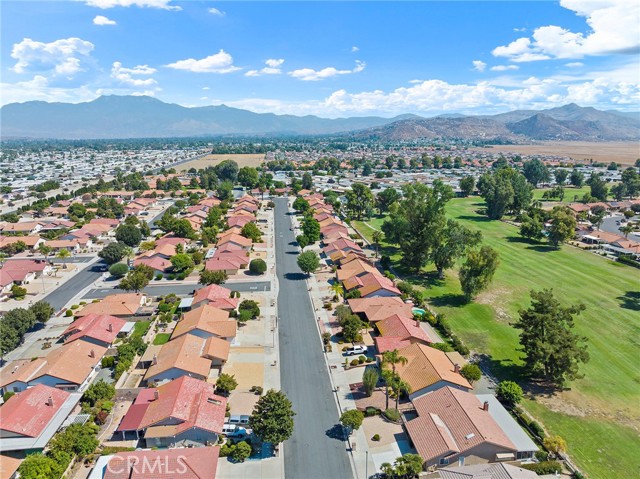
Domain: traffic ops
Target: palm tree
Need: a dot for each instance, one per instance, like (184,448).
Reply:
(337,289)
(63,254)
(626,229)
(399,387)
(393,358)
(44,250)
(377,237)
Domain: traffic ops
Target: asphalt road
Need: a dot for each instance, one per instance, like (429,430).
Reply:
(609,225)
(63,293)
(179,289)
(313,451)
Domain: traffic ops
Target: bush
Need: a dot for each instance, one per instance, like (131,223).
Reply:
(241,451)
(258,266)
(74,306)
(326,338)
(376,437)
(7,395)
(537,429)
(509,393)
(226,450)
(108,361)
(68,313)
(118,270)
(369,360)
(385,262)
(471,372)
(362,359)
(392,414)
(354,362)
(251,307)
(371,411)
(544,467)
(159,276)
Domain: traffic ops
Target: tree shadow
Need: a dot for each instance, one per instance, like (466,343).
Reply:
(520,239)
(630,300)
(477,219)
(336,432)
(296,276)
(449,300)
(503,368)
(543,248)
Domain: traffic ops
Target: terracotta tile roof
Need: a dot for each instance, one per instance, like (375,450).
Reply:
(487,471)
(72,363)
(427,366)
(218,264)
(341,245)
(355,268)
(9,464)
(216,348)
(28,412)
(236,239)
(451,421)
(155,262)
(190,401)
(188,463)
(30,240)
(206,318)
(239,220)
(184,353)
(102,327)
(404,328)
(377,309)
(173,240)
(216,296)
(389,343)
(370,283)
(18,269)
(125,304)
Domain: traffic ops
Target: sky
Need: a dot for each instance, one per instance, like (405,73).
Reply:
(331,59)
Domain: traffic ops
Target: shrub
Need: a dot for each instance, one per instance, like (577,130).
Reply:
(158,276)
(544,467)
(74,306)
(471,372)
(369,360)
(537,429)
(7,395)
(326,337)
(392,414)
(542,455)
(385,262)
(258,266)
(362,359)
(241,451)
(68,313)
(354,362)
(118,270)
(371,411)
(226,450)
(251,307)
(108,361)
(555,444)
(376,437)
(509,393)
(444,347)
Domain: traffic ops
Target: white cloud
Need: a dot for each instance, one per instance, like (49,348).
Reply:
(102,20)
(130,76)
(39,88)
(354,49)
(522,29)
(574,64)
(215,11)
(504,68)
(62,57)
(479,65)
(221,62)
(309,74)
(206,88)
(105,4)
(613,29)
(272,68)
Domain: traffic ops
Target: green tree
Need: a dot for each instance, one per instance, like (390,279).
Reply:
(182,262)
(62,255)
(227,170)
(377,238)
(509,393)
(370,379)
(471,372)
(386,198)
(477,271)
(311,229)
(307,181)
(251,307)
(135,280)
(399,387)
(467,185)
(360,201)
(576,178)
(226,383)
(40,466)
(308,262)
(560,175)
(212,277)
(497,192)
(598,187)
(535,171)
(302,241)
(118,270)
(301,205)
(552,350)
(631,181)
(241,451)
(563,225)
(183,229)
(453,243)
(408,465)
(351,327)
(42,311)
(248,177)
(99,391)
(77,439)
(258,266)
(417,224)
(129,235)
(352,419)
(391,358)
(272,417)
(531,227)
(251,231)
(224,191)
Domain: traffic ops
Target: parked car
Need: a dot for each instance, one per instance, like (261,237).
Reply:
(241,419)
(357,349)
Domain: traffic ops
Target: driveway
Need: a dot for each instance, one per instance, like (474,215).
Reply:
(310,452)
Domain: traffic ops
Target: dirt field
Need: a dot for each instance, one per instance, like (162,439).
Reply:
(624,152)
(213,160)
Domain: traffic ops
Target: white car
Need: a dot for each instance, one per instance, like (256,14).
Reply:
(357,349)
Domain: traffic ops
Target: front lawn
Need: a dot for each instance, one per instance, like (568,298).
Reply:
(161,338)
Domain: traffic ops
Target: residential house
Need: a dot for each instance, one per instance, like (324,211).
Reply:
(121,305)
(100,329)
(206,321)
(487,471)
(379,308)
(215,295)
(21,272)
(405,328)
(371,285)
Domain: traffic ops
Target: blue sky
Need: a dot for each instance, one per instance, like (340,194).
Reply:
(326,58)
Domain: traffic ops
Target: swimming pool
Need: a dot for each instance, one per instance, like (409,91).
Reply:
(418,311)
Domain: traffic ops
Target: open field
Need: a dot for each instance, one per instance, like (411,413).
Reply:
(625,152)
(599,415)
(248,159)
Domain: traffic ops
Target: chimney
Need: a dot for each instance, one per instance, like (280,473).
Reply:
(50,401)
(156,395)
(92,354)
(417,323)
(456,368)
(154,361)
(110,327)
(485,406)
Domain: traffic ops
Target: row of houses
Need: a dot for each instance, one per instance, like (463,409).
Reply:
(447,423)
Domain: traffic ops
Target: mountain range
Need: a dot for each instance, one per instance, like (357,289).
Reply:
(142,116)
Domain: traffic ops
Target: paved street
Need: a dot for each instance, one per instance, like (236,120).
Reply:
(609,225)
(313,451)
(63,293)
(180,289)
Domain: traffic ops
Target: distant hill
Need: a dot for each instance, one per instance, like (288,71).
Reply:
(569,122)
(142,116)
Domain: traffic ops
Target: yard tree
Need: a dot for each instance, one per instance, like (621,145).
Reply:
(224,190)
(531,227)
(212,277)
(477,271)
(134,281)
(631,181)
(41,466)
(377,238)
(183,229)
(599,189)
(360,201)
(497,192)
(509,393)
(453,243)
(552,350)
(258,266)
(307,181)
(251,231)
(471,372)
(563,225)
(311,229)
(535,171)
(182,262)
(302,241)
(367,169)
(351,328)
(309,261)
(300,204)
(555,444)
(352,419)
(42,311)
(129,235)
(98,391)
(226,383)
(241,451)
(560,175)
(272,417)
(399,387)
(370,379)
(248,177)
(619,191)
(63,254)
(386,198)
(389,161)
(418,222)
(251,306)
(227,170)
(576,178)
(408,465)
(467,184)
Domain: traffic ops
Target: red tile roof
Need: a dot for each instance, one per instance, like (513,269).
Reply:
(102,327)
(403,328)
(216,296)
(29,412)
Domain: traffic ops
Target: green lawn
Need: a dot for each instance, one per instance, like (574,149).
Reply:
(161,338)
(607,401)
(140,328)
